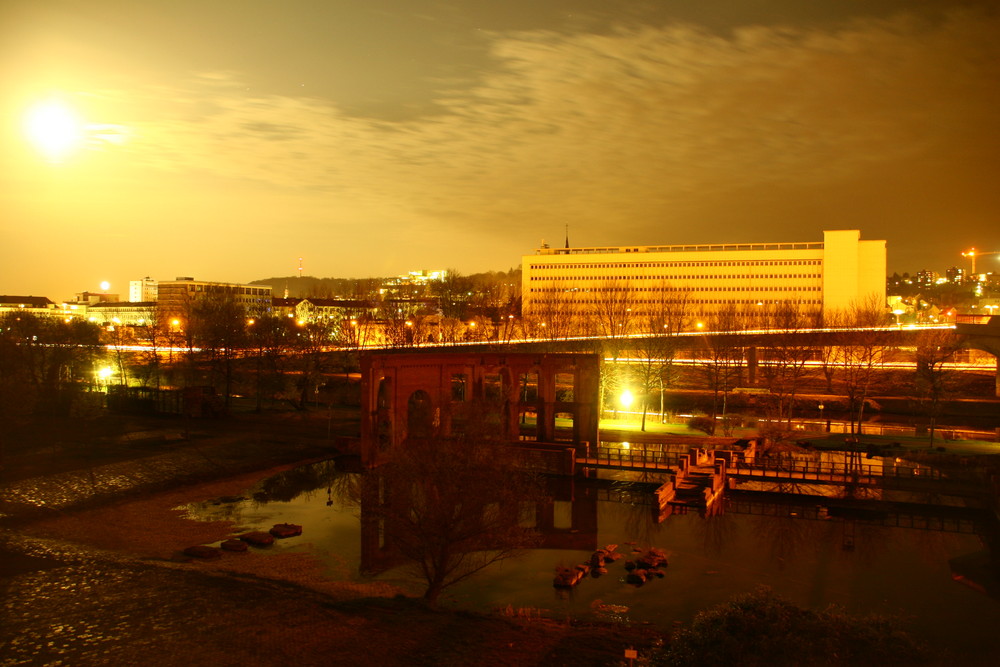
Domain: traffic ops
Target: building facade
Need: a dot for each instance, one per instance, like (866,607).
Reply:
(820,276)
(123,313)
(175,298)
(142,290)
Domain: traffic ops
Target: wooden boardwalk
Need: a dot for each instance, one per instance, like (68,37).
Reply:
(882,475)
(637,460)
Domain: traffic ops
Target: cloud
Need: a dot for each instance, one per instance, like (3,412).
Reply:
(621,126)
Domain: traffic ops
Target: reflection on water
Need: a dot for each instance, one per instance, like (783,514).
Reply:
(804,552)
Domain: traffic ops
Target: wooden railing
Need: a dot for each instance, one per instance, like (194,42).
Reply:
(628,458)
(825,470)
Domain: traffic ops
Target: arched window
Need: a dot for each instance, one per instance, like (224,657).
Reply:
(419,415)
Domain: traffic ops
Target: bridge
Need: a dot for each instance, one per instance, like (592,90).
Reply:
(699,479)
(977,332)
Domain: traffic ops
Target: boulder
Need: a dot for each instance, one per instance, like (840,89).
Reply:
(636,577)
(257,538)
(282,530)
(234,545)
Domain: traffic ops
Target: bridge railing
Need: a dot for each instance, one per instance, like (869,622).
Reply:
(827,469)
(634,458)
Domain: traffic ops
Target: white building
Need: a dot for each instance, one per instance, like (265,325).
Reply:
(833,274)
(142,290)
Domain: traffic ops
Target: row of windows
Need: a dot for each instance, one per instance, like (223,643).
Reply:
(705,288)
(759,276)
(678,265)
(230,289)
(534,305)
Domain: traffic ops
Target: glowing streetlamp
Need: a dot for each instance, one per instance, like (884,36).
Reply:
(626,399)
(104,376)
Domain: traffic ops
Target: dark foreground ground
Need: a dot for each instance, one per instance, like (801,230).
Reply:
(91,571)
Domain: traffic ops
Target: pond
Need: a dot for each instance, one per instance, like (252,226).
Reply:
(809,557)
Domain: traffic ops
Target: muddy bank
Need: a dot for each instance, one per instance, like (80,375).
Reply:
(93,575)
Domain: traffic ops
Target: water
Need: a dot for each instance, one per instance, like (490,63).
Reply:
(815,563)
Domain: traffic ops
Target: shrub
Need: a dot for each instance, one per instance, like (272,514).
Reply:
(704,424)
(761,628)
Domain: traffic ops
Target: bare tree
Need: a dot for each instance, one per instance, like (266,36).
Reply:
(151,334)
(861,353)
(932,379)
(311,344)
(40,358)
(785,367)
(118,339)
(452,506)
(655,347)
(218,327)
(610,318)
(723,359)
(270,340)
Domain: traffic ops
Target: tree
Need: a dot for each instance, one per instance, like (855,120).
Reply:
(151,335)
(40,357)
(119,340)
(787,356)
(659,322)
(932,378)
(861,352)
(452,506)
(270,339)
(723,359)
(311,343)
(218,327)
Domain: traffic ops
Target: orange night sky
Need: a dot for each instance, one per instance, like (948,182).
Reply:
(224,140)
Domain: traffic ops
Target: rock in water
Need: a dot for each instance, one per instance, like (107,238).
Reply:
(286,530)
(234,545)
(257,538)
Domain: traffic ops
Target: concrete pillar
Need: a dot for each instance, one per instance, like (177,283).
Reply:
(997,383)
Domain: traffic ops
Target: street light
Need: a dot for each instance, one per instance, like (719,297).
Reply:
(626,398)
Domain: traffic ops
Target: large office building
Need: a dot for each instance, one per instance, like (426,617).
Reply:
(818,276)
(175,298)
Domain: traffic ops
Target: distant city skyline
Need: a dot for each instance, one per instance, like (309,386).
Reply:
(123,288)
(376,137)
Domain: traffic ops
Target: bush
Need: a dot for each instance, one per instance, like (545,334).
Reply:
(704,424)
(761,628)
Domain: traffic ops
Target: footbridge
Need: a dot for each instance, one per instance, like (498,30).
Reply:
(700,478)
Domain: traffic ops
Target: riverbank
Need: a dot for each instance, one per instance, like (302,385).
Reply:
(91,569)
(91,572)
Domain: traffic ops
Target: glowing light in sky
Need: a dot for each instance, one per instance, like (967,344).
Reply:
(105,285)
(53,128)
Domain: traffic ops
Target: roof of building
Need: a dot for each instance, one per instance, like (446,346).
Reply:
(26,301)
(337,303)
